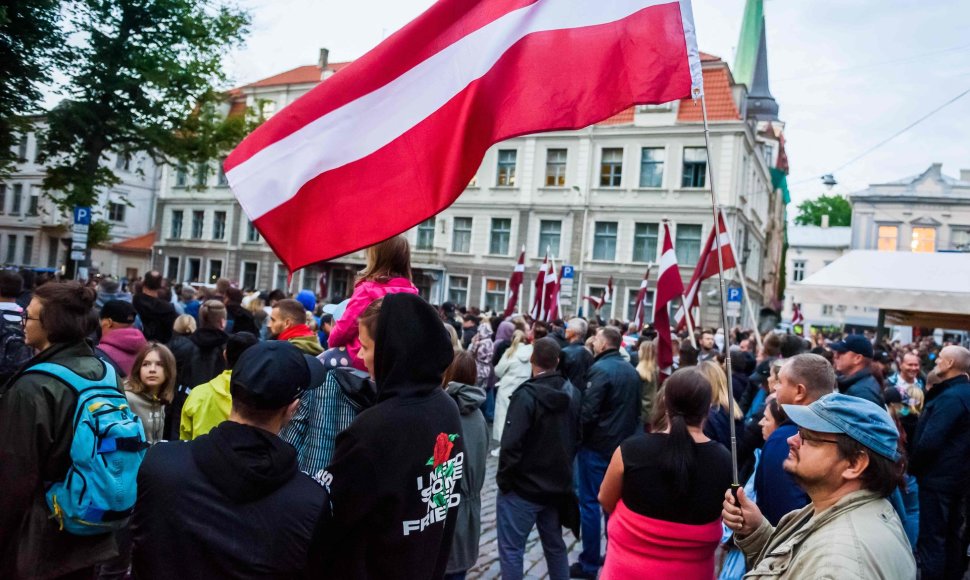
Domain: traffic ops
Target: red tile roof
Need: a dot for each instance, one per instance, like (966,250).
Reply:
(300,75)
(137,244)
(717,91)
(621,118)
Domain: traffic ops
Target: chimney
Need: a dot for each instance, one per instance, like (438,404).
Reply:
(965,175)
(825,221)
(324,55)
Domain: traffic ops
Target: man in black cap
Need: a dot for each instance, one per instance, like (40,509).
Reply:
(233,503)
(853,357)
(120,340)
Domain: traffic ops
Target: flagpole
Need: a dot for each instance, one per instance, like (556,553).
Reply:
(716,210)
(690,323)
(744,290)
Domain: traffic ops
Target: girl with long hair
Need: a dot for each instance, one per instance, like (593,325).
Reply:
(718,426)
(512,370)
(150,387)
(664,490)
(647,369)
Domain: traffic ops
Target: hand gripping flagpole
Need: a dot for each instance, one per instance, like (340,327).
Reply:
(716,209)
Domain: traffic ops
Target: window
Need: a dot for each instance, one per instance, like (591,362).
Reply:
(611,167)
(506,168)
(309,279)
(116,211)
(340,284)
(39,148)
(33,206)
(53,250)
(550,232)
(18,195)
(28,250)
(695,167)
(424,284)
(499,238)
(827,310)
(797,270)
(769,155)
(172,268)
(215,270)
(959,239)
(688,242)
(888,237)
(280,278)
(598,292)
(223,181)
(3,198)
(458,290)
(22,148)
(181,176)
(604,241)
(201,174)
(195,270)
(176,227)
(494,295)
(556,167)
(252,234)
(651,166)
(123,161)
(219,225)
(461,241)
(198,220)
(631,305)
(645,242)
(11,249)
(924,240)
(426,234)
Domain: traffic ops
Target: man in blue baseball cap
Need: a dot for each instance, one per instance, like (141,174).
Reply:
(852,359)
(845,458)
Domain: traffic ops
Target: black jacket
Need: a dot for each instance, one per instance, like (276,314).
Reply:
(157,317)
(574,364)
(394,478)
(539,441)
(941,447)
(242,319)
(229,504)
(198,360)
(611,403)
(36,432)
(863,385)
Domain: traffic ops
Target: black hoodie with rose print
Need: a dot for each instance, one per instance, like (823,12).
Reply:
(394,478)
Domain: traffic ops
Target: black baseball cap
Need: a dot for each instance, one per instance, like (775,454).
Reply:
(856,343)
(273,374)
(119,311)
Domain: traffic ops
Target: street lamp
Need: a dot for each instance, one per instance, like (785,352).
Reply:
(828,180)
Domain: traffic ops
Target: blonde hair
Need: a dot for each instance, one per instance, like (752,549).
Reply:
(518,337)
(167,391)
(647,365)
(719,386)
(453,335)
(916,399)
(184,324)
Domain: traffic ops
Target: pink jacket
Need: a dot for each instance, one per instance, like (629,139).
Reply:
(344,332)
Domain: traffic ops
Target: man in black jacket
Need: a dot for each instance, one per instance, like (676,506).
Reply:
(233,503)
(853,356)
(394,478)
(941,449)
(610,413)
(535,477)
(157,316)
(576,360)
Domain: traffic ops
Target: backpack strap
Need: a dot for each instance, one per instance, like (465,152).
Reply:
(79,384)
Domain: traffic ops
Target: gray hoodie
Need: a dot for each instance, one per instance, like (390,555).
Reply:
(464,548)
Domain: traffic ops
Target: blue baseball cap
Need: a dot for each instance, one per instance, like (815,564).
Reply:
(856,343)
(862,420)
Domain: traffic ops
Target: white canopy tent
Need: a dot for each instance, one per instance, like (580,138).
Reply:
(912,289)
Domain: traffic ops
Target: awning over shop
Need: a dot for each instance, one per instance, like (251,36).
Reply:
(913,289)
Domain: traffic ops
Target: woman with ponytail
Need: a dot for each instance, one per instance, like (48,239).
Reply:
(663,491)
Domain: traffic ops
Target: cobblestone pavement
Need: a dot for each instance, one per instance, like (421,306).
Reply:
(487,566)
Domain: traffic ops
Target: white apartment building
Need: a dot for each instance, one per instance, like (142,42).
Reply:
(34,234)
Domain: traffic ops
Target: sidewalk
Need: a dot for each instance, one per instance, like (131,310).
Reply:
(487,566)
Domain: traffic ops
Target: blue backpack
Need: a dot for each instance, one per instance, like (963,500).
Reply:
(98,494)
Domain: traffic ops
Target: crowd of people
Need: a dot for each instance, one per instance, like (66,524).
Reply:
(180,432)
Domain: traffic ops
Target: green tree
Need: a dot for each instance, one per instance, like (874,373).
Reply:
(31,46)
(144,79)
(810,212)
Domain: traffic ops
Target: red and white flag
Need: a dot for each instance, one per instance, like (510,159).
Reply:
(669,288)
(539,291)
(707,267)
(550,285)
(515,284)
(638,317)
(796,315)
(393,138)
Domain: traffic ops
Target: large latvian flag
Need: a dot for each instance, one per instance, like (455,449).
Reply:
(395,137)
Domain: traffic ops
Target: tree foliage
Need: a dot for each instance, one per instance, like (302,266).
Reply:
(31,46)
(144,79)
(810,212)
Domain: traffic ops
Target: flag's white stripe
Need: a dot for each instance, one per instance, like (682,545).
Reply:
(667,260)
(519,268)
(693,53)
(367,124)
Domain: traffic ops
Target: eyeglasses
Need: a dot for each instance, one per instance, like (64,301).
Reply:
(24,317)
(804,436)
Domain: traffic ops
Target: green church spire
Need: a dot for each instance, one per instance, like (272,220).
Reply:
(749,43)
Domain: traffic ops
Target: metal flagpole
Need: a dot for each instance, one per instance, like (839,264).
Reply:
(716,210)
(744,287)
(690,322)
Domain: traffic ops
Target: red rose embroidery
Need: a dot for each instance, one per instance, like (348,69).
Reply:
(442,449)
